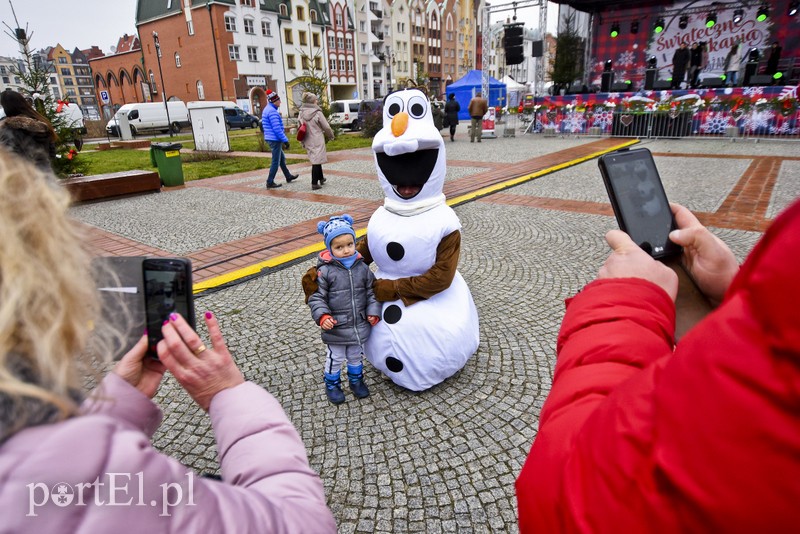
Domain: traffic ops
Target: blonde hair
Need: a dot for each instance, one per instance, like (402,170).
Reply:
(48,302)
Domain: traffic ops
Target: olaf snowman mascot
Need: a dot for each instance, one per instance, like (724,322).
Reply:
(429,326)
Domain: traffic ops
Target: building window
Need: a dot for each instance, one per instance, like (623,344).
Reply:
(66,72)
(350,65)
(315,39)
(287,35)
(62,60)
(230,23)
(349,43)
(303,37)
(306,62)
(249,26)
(339,19)
(331,42)
(340,43)
(318,63)
(252,53)
(362,26)
(53,81)
(67,81)
(233,52)
(6,79)
(332,64)
(313,14)
(363,48)
(301,13)
(247,3)
(290,61)
(266,28)
(269,55)
(341,64)
(190,27)
(283,10)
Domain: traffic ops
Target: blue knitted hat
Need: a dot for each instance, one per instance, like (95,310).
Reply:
(342,224)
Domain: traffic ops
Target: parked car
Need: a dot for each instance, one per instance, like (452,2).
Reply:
(235,117)
(366,107)
(152,116)
(345,113)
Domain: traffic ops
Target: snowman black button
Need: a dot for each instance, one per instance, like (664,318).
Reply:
(392,314)
(395,251)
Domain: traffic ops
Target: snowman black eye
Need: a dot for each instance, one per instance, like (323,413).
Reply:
(417,107)
(394,107)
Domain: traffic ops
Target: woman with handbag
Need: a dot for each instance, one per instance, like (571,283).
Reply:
(317,133)
(451,109)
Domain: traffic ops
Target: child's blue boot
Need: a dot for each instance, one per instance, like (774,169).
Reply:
(333,388)
(355,375)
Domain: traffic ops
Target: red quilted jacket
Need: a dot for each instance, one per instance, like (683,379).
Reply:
(636,438)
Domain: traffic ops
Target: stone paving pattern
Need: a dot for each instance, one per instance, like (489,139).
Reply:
(443,460)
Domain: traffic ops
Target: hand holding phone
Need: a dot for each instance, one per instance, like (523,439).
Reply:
(167,289)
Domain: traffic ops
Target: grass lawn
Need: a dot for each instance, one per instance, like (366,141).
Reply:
(249,141)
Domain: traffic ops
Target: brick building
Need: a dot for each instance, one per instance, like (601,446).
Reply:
(121,76)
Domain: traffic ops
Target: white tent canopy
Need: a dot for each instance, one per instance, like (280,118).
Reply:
(512,85)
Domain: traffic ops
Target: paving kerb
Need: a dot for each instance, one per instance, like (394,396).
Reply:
(443,460)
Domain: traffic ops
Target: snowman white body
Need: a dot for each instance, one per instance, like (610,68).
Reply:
(420,345)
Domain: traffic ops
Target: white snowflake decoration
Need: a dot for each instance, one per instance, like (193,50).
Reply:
(603,118)
(574,122)
(759,120)
(716,123)
(626,59)
(753,91)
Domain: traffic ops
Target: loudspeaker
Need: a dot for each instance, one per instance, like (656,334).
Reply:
(660,85)
(712,82)
(606,81)
(538,48)
(621,88)
(512,42)
(760,79)
(649,78)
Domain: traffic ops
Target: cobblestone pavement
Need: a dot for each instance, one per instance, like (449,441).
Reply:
(443,460)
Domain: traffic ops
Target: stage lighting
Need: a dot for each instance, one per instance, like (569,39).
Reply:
(635,27)
(607,66)
(614,30)
(793,7)
(763,13)
(659,26)
(683,22)
(753,55)
(777,76)
(652,62)
(738,15)
(711,19)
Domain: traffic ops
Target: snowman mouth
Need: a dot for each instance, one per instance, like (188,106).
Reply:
(408,173)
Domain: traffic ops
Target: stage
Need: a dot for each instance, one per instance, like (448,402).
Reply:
(771,110)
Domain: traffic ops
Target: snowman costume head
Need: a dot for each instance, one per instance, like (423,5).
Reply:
(409,154)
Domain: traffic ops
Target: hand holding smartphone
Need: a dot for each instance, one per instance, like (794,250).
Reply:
(642,211)
(167,289)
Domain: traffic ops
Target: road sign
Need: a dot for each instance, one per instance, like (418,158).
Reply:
(104,97)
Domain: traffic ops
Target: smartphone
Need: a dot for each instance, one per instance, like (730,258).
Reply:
(167,289)
(639,201)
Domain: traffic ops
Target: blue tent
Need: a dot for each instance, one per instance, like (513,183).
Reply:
(466,87)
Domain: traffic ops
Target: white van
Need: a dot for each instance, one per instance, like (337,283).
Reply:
(345,113)
(235,117)
(152,116)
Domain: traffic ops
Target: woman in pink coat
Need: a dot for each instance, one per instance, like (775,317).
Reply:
(638,435)
(71,462)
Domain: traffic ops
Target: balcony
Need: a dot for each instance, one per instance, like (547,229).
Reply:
(378,35)
(377,12)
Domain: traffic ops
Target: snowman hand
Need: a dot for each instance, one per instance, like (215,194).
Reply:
(373,319)
(309,282)
(385,290)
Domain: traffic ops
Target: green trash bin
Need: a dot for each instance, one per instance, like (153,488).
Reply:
(167,157)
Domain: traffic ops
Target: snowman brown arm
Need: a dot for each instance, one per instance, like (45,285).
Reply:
(435,280)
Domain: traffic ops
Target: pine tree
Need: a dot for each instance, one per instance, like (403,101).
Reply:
(567,67)
(35,84)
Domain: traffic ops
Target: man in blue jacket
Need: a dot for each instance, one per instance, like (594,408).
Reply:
(272,125)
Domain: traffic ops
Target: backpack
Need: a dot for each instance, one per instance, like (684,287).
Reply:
(301,132)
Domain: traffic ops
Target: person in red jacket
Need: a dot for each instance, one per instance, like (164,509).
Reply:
(640,435)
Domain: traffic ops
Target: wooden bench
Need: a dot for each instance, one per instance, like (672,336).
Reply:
(112,184)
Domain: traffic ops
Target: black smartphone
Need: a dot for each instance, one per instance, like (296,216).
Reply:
(639,201)
(167,289)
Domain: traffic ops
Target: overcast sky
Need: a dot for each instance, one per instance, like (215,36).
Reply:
(103,22)
(73,23)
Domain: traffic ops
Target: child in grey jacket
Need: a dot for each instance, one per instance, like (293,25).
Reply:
(344,306)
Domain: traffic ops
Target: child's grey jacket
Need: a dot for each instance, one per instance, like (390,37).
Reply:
(347,296)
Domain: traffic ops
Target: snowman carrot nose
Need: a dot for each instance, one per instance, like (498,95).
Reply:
(399,124)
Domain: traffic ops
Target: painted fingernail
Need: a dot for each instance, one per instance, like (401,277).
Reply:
(145,332)
(165,322)
(173,316)
(209,315)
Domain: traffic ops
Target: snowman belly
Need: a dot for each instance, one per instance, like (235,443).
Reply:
(421,345)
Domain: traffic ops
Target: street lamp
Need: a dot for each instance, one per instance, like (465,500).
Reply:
(161,75)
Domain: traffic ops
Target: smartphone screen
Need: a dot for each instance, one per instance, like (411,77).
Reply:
(639,201)
(167,289)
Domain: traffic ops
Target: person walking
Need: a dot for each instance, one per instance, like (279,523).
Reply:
(344,306)
(451,109)
(680,60)
(26,132)
(731,66)
(478,107)
(58,439)
(318,132)
(272,125)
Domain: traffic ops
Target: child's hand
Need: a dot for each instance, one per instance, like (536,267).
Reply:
(327,322)
(373,319)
